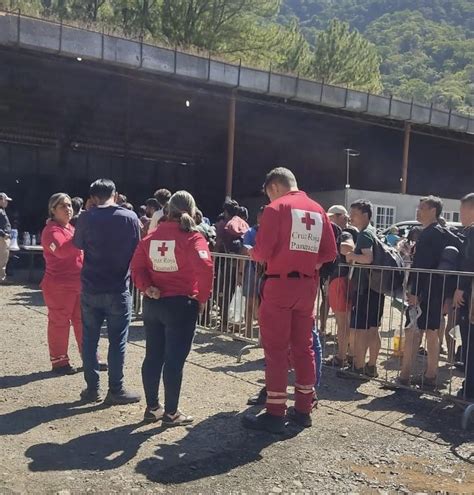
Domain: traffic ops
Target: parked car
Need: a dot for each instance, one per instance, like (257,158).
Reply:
(405,227)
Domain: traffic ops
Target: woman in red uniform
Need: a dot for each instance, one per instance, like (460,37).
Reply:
(173,268)
(61,284)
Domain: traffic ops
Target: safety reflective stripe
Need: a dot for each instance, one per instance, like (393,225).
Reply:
(277,394)
(304,389)
(60,358)
(276,401)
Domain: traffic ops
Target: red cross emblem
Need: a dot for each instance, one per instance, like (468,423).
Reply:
(308,221)
(163,249)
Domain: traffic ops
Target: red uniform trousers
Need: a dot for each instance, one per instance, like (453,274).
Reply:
(286,317)
(64,308)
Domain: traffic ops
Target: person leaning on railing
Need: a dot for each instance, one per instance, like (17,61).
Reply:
(367,303)
(463,297)
(427,292)
(174,269)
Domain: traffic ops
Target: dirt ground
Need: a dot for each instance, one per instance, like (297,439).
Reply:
(364,438)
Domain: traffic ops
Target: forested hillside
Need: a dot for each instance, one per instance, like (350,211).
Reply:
(426,46)
(410,48)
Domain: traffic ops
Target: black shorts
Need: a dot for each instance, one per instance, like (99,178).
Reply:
(367,310)
(431,311)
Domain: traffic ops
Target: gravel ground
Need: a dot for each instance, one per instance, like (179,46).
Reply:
(364,438)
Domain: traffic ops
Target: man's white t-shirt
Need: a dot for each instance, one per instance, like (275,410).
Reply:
(154,220)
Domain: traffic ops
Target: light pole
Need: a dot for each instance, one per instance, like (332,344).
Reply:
(349,152)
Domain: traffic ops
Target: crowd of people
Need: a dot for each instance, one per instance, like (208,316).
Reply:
(295,249)
(358,304)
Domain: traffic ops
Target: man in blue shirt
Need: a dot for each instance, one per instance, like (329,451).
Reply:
(108,234)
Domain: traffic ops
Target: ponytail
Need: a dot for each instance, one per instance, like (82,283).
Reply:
(182,208)
(187,223)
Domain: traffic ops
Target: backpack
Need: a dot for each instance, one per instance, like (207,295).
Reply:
(327,269)
(451,255)
(389,282)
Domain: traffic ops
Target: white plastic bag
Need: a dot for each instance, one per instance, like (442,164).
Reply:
(455,333)
(236,314)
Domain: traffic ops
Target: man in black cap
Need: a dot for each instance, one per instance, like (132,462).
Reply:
(5,233)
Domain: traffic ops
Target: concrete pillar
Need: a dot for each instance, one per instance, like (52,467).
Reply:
(406,152)
(230,147)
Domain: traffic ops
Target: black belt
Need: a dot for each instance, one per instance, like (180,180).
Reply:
(289,275)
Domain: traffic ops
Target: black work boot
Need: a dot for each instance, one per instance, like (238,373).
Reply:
(67,369)
(302,419)
(265,422)
(91,395)
(121,397)
(258,399)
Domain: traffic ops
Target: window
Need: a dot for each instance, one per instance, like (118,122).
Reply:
(384,216)
(451,216)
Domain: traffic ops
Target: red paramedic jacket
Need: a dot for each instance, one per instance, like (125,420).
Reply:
(176,262)
(62,259)
(295,235)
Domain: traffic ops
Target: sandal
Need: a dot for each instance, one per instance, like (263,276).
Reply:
(177,419)
(152,415)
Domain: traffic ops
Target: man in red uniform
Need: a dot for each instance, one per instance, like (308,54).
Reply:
(294,239)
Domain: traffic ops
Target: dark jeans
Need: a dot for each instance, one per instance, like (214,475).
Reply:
(115,310)
(170,324)
(467,335)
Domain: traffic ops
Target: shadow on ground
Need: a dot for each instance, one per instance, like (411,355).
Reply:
(22,420)
(441,418)
(97,451)
(31,297)
(214,446)
(20,380)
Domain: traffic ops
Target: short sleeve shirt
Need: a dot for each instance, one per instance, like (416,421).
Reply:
(250,237)
(366,239)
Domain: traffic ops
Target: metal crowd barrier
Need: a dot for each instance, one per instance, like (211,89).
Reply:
(233,307)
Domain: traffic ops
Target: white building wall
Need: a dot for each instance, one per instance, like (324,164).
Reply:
(404,204)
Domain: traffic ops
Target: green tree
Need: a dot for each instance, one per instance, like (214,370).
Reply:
(344,57)
(294,53)
(218,25)
(424,59)
(426,46)
(137,17)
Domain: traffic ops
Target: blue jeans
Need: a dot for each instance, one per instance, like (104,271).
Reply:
(116,311)
(318,356)
(170,323)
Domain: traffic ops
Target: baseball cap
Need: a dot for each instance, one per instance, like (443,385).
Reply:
(5,196)
(337,210)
